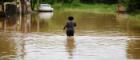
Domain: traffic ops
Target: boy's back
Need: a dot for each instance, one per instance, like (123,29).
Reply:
(70,25)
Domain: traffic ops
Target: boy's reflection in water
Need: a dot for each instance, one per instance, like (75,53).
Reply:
(70,46)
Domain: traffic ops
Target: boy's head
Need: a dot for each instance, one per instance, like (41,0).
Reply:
(70,18)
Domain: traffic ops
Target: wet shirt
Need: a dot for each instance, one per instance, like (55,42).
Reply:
(70,25)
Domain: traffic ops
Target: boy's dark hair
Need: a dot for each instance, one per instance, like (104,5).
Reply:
(70,18)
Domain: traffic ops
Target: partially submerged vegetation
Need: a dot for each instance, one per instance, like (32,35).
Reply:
(134,17)
(92,8)
(132,7)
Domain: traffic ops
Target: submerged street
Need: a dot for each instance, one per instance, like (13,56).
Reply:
(40,36)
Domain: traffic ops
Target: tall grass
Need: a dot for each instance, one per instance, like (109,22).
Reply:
(96,8)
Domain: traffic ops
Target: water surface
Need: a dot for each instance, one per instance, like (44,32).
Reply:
(40,36)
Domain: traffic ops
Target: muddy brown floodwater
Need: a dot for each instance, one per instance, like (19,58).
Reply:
(40,36)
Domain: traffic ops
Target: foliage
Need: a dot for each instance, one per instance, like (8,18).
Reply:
(132,5)
(48,1)
(80,1)
(91,8)
(100,1)
(33,3)
(6,0)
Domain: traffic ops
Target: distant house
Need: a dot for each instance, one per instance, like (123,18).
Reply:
(4,5)
(14,6)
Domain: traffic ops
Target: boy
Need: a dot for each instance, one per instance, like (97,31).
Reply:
(69,26)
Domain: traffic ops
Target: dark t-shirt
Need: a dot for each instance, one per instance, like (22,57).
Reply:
(70,25)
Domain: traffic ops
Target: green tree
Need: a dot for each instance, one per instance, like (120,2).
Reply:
(48,1)
(33,3)
(100,1)
(76,1)
(67,1)
(132,5)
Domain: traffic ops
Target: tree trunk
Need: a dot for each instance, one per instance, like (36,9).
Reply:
(23,6)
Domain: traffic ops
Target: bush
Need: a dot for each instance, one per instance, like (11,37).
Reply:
(100,1)
(132,5)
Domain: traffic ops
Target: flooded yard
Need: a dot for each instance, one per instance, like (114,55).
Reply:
(40,36)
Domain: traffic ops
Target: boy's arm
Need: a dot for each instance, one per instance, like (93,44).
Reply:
(64,27)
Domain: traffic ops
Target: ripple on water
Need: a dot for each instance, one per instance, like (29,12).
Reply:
(44,46)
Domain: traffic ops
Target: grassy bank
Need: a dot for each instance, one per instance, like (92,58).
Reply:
(134,17)
(92,8)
